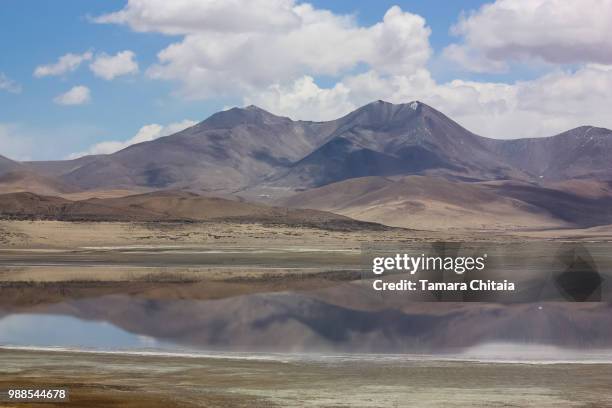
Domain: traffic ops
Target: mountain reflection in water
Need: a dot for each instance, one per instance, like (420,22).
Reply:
(337,319)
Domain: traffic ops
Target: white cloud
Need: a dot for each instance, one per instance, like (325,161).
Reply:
(77,95)
(277,43)
(544,106)
(7,84)
(108,67)
(553,31)
(472,60)
(144,134)
(190,16)
(66,63)
(304,99)
(275,65)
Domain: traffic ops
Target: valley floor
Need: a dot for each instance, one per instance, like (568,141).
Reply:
(109,235)
(246,286)
(103,380)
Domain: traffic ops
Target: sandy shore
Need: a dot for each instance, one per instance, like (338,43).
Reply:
(103,380)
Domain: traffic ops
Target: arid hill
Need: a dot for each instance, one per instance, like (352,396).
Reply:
(30,206)
(427,202)
(30,181)
(57,168)
(166,206)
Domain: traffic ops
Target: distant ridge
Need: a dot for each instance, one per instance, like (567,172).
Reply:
(424,160)
(250,149)
(426,202)
(29,180)
(383,139)
(167,206)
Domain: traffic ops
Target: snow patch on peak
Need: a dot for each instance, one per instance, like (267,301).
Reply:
(414,105)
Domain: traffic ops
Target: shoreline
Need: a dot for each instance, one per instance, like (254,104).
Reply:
(109,380)
(309,357)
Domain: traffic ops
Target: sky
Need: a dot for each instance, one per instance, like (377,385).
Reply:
(90,77)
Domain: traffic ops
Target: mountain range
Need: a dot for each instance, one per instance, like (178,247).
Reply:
(404,165)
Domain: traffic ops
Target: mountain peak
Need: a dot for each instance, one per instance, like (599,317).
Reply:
(382,113)
(587,129)
(255,108)
(380,103)
(242,116)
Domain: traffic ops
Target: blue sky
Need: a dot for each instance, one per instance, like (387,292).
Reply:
(48,30)
(505,83)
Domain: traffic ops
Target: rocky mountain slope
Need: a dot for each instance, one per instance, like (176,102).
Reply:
(8,165)
(383,162)
(250,149)
(228,151)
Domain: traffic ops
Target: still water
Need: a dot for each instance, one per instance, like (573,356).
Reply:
(297,325)
(41,330)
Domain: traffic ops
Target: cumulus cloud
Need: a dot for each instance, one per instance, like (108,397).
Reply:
(111,66)
(271,52)
(304,99)
(276,43)
(8,85)
(472,60)
(189,16)
(66,63)
(553,31)
(144,134)
(77,95)
(544,106)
